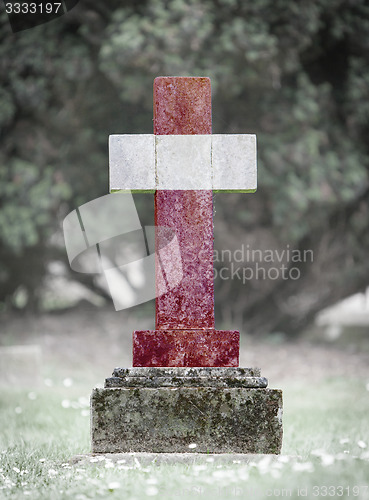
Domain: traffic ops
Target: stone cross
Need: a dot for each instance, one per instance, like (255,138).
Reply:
(183,163)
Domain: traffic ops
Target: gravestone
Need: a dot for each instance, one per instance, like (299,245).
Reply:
(185,391)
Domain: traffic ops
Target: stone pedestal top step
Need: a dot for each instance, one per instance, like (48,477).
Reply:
(186,377)
(250,382)
(164,371)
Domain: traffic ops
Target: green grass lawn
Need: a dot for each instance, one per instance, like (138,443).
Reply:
(325,451)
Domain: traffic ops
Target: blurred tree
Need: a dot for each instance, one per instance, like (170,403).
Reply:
(296,74)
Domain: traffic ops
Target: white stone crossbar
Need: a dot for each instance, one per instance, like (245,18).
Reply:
(146,162)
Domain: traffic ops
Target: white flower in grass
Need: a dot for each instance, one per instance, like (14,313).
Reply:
(264,464)
(217,473)
(303,467)
(83,401)
(52,472)
(67,382)
(327,460)
(192,446)
(361,444)
(124,467)
(206,479)
(341,456)
(8,483)
(18,410)
(42,460)
(228,474)
(318,453)
(243,474)
(275,473)
(277,465)
(65,403)
(114,485)
(152,491)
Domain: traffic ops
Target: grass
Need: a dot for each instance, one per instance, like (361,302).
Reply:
(325,451)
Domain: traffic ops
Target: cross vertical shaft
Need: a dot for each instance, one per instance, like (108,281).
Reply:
(182,106)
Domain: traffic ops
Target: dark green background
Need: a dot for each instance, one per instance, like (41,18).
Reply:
(294,72)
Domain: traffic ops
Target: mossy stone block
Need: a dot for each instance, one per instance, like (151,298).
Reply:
(169,419)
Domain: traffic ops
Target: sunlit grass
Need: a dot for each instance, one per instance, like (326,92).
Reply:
(326,444)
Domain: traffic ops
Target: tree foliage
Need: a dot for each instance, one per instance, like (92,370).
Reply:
(294,73)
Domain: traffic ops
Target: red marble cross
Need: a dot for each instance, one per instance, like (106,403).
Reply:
(185,333)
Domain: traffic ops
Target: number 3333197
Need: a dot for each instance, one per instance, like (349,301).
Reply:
(33,8)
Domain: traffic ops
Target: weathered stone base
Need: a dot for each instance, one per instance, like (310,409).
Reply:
(215,418)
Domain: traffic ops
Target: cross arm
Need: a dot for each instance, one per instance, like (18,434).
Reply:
(219,162)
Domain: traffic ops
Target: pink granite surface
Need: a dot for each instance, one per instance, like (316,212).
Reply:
(185,348)
(191,303)
(182,105)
